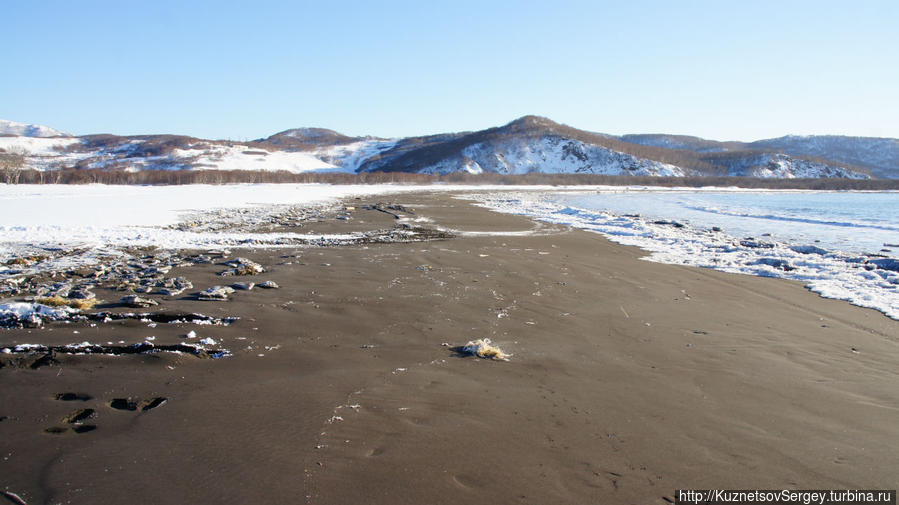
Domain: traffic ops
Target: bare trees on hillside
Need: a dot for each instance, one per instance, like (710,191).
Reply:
(11,165)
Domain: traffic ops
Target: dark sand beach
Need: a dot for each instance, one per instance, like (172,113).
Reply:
(627,380)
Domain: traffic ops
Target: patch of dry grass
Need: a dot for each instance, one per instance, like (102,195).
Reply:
(483,348)
(248,269)
(60,301)
(26,260)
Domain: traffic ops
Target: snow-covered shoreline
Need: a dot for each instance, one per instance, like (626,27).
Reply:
(100,221)
(864,281)
(96,214)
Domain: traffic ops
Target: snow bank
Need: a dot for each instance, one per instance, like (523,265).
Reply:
(103,219)
(30,314)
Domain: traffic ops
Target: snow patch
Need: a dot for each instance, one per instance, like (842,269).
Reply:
(349,157)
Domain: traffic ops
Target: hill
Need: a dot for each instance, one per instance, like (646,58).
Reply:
(530,144)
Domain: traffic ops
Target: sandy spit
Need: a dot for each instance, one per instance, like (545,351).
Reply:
(627,380)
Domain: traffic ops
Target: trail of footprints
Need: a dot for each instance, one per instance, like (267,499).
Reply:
(77,419)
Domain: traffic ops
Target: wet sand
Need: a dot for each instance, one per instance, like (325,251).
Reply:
(627,380)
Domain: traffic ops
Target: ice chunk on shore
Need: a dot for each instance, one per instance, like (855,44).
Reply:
(137,301)
(32,315)
(215,293)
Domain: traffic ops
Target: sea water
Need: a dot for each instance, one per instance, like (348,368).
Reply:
(843,245)
(856,222)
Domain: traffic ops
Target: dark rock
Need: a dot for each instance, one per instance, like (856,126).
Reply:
(81,294)
(886,264)
(756,244)
(669,223)
(32,321)
(175,286)
(808,249)
(776,263)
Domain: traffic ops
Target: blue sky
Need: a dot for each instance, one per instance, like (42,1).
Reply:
(721,70)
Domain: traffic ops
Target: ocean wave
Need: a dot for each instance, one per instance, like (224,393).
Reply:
(792,219)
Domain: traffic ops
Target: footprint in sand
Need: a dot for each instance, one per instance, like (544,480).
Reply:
(133,404)
(78,416)
(416,421)
(466,481)
(152,404)
(123,404)
(374,453)
(71,397)
(75,418)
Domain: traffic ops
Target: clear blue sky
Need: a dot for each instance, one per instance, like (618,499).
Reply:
(740,70)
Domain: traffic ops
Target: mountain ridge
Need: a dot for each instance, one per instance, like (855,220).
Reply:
(525,145)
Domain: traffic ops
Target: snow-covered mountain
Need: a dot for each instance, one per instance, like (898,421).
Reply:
(880,156)
(331,147)
(527,145)
(157,152)
(550,154)
(781,166)
(535,144)
(29,130)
